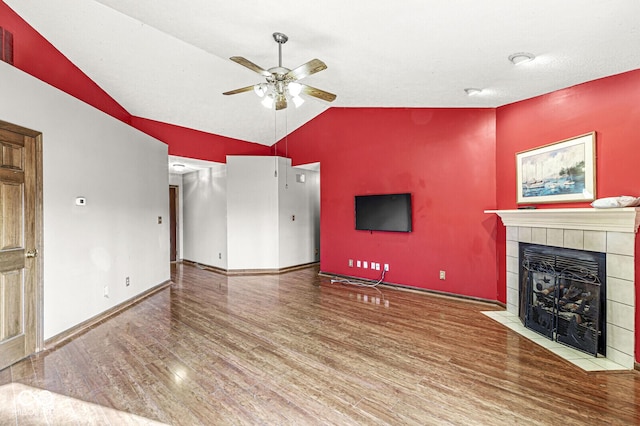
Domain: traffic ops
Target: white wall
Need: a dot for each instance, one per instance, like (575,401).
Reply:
(299,238)
(205,216)
(252,212)
(260,209)
(123,175)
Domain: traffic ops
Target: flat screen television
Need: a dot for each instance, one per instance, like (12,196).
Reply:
(383,212)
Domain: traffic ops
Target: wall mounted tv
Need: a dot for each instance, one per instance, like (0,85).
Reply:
(383,212)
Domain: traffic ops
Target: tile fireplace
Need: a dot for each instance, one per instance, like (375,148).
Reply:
(611,232)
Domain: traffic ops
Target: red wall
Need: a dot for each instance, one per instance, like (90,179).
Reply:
(191,143)
(610,107)
(444,157)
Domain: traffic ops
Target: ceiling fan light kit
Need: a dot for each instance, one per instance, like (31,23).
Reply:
(281,83)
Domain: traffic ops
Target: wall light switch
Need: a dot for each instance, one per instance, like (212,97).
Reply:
(358,264)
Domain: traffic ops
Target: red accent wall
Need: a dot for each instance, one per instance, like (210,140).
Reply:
(191,143)
(34,55)
(444,157)
(610,107)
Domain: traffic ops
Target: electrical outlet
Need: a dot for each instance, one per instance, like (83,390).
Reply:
(350,263)
(373,265)
(386,267)
(358,264)
(127,282)
(442,275)
(365,264)
(377,266)
(106,291)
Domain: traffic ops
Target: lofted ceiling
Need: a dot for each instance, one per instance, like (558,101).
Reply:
(168,60)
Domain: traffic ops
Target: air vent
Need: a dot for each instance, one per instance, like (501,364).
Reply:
(6,46)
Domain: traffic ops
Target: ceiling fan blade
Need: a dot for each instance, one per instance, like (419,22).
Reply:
(241,90)
(253,67)
(317,93)
(281,102)
(305,70)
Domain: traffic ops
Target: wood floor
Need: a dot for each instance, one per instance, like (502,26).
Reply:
(295,349)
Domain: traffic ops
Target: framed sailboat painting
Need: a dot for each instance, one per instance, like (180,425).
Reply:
(559,172)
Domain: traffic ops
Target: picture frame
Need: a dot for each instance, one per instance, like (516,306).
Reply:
(559,172)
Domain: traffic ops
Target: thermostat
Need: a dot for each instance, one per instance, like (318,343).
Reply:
(81,201)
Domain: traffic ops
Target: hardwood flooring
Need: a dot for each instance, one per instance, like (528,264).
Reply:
(295,349)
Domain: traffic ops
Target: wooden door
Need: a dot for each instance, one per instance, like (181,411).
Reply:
(173,223)
(19,235)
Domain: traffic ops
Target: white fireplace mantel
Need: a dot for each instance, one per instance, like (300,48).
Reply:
(624,219)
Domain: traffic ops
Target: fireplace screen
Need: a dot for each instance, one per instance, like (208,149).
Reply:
(563,296)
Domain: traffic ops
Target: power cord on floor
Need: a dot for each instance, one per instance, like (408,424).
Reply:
(360,283)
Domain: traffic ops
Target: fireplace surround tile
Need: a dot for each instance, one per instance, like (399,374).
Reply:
(620,266)
(524,234)
(619,339)
(619,357)
(620,243)
(512,281)
(595,241)
(539,236)
(555,237)
(619,290)
(573,239)
(610,231)
(620,314)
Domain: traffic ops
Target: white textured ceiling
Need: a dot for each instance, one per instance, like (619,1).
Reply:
(167,60)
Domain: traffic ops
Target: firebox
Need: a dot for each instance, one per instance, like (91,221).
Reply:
(563,295)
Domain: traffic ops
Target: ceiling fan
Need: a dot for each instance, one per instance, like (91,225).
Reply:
(281,83)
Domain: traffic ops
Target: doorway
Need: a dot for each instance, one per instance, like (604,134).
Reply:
(174,204)
(21,245)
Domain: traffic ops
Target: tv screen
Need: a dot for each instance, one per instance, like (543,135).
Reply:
(384,212)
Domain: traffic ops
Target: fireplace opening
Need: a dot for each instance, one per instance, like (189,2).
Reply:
(563,295)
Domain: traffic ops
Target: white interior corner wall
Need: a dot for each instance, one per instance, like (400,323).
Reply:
(204,220)
(252,212)
(123,175)
(299,216)
(272,218)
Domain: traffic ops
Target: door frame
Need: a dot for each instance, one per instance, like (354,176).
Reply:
(176,214)
(38,344)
